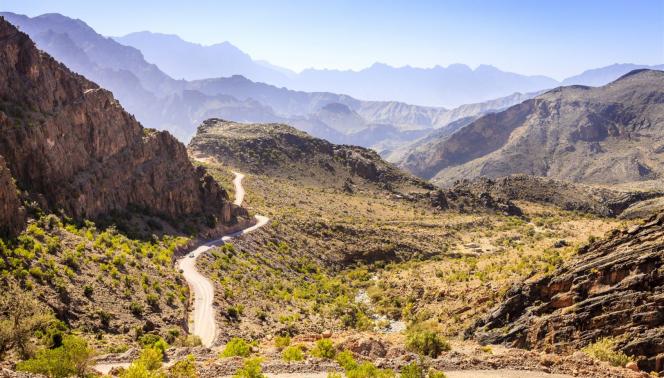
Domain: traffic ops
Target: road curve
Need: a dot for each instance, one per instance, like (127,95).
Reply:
(202,319)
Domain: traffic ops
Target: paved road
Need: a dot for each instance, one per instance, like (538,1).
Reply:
(202,320)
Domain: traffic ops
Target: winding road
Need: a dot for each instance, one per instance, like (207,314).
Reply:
(202,320)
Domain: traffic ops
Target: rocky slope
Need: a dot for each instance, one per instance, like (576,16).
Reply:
(284,151)
(614,288)
(72,148)
(567,196)
(609,134)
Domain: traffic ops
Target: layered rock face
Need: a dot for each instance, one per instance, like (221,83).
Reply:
(614,288)
(72,148)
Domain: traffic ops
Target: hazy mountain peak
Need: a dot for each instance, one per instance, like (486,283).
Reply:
(459,67)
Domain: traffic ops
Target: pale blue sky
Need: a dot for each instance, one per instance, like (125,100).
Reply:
(554,38)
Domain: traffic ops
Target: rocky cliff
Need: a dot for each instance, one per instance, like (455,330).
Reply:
(71,147)
(611,134)
(614,288)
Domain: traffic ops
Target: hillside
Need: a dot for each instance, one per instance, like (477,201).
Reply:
(573,197)
(611,134)
(341,207)
(613,289)
(94,209)
(283,151)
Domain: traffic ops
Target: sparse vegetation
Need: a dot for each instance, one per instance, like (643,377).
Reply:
(282,341)
(103,269)
(427,343)
(251,369)
(185,368)
(293,353)
(324,349)
(605,350)
(236,347)
(72,358)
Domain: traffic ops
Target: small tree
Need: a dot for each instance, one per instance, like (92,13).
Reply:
(20,316)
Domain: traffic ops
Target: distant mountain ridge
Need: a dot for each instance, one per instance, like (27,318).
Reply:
(218,60)
(438,86)
(161,102)
(451,86)
(609,134)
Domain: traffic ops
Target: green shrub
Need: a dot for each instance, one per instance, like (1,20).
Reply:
(172,334)
(234,312)
(185,368)
(415,370)
(369,370)
(412,370)
(153,300)
(72,358)
(436,374)
(87,291)
(237,347)
(161,346)
(427,343)
(346,360)
(136,309)
(605,350)
(251,369)
(147,365)
(281,341)
(151,358)
(324,349)
(293,353)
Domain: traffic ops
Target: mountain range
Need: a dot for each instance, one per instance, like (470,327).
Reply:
(449,87)
(159,101)
(609,134)
(162,102)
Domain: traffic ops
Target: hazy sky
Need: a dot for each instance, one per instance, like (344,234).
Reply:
(555,38)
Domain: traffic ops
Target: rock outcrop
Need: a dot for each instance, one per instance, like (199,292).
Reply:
(613,288)
(568,196)
(71,147)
